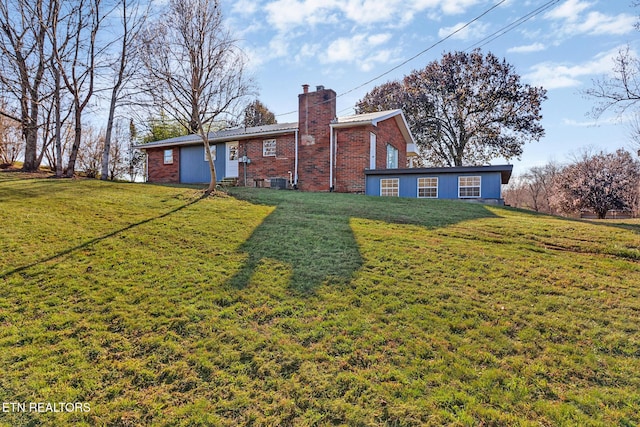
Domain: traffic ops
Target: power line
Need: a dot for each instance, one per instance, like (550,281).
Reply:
(501,32)
(442,40)
(504,30)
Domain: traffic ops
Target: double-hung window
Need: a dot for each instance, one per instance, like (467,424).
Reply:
(468,187)
(269,148)
(389,187)
(428,187)
(168,156)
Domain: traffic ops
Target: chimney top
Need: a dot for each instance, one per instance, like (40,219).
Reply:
(319,88)
(305,88)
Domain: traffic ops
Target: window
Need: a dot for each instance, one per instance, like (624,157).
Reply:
(428,187)
(233,152)
(468,186)
(168,157)
(269,148)
(212,150)
(389,187)
(392,157)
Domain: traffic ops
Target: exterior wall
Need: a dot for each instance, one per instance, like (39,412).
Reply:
(388,132)
(352,157)
(352,153)
(266,167)
(315,111)
(194,169)
(490,184)
(157,171)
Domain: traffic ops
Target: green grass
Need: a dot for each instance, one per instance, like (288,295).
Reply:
(284,308)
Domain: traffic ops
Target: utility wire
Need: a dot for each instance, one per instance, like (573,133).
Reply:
(504,30)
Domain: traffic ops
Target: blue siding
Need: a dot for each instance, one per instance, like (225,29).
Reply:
(194,169)
(490,184)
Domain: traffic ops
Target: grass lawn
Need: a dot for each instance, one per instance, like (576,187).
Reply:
(155,307)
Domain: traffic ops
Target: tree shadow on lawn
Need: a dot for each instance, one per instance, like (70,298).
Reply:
(311,233)
(22,268)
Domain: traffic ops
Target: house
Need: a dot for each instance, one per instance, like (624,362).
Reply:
(319,152)
(477,183)
(362,153)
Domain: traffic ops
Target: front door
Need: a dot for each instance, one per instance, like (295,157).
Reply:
(231,164)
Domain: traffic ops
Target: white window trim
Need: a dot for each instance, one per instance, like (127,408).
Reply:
(419,187)
(372,150)
(396,157)
(266,150)
(165,158)
(397,186)
(479,186)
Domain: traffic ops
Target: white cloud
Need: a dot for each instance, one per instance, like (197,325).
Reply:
(572,20)
(555,76)
(613,120)
(362,49)
(455,7)
(287,14)
(597,23)
(474,31)
(535,47)
(245,7)
(569,10)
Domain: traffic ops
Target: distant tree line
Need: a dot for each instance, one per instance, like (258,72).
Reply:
(593,182)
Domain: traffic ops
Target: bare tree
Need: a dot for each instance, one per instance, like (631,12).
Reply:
(90,157)
(118,151)
(534,189)
(133,17)
(621,91)
(135,158)
(79,74)
(196,70)
(23,62)
(10,138)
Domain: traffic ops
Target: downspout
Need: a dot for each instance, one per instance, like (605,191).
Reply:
(295,166)
(331,142)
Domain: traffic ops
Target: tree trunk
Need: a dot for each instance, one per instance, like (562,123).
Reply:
(104,173)
(77,138)
(212,167)
(30,148)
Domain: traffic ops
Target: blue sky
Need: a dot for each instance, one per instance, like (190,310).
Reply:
(342,44)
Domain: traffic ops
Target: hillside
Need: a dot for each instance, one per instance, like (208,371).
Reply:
(153,307)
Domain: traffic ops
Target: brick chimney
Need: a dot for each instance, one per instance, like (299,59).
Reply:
(316,110)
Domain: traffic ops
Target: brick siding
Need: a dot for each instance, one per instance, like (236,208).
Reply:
(266,168)
(157,171)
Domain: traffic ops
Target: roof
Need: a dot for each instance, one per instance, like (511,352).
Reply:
(239,133)
(232,134)
(374,119)
(505,171)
